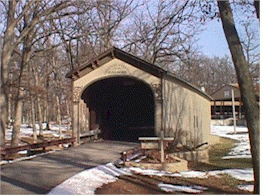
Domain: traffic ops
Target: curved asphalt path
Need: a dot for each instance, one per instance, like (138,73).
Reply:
(39,175)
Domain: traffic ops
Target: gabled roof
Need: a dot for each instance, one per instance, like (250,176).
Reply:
(120,54)
(220,95)
(236,86)
(132,60)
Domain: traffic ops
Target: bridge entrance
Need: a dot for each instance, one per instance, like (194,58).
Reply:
(126,97)
(123,108)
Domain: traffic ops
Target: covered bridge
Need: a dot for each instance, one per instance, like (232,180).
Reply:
(126,97)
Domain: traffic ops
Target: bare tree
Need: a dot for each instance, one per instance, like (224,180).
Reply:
(162,32)
(5,60)
(251,49)
(25,57)
(24,19)
(246,86)
(208,72)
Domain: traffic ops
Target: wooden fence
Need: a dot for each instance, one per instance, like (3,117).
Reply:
(5,152)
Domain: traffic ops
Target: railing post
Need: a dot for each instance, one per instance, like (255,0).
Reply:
(124,157)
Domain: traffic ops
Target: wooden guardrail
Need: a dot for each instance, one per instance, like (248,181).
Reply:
(11,150)
(131,153)
(89,135)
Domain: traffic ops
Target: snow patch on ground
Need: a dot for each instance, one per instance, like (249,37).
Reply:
(240,174)
(242,148)
(26,131)
(148,172)
(193,174)
(187,189)
(2,162)
(86,182)
(249,188)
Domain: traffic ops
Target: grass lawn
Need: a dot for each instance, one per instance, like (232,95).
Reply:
(218,151)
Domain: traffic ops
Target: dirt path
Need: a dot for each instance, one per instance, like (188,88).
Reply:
(39,175)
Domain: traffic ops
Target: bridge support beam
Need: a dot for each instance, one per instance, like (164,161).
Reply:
(158,116)
(76,124)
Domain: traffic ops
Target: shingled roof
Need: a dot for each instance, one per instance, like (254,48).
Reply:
(114,52)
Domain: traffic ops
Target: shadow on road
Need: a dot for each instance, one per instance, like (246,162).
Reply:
(73,162)
(24,185)
(39,175)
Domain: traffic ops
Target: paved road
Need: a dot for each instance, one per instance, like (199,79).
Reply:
(41,174)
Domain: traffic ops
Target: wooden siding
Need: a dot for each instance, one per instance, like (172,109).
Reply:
(186,113)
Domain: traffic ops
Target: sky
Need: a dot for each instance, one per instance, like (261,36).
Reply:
(213,41)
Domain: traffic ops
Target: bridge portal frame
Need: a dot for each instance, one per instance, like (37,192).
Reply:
(179,105)
(114,67)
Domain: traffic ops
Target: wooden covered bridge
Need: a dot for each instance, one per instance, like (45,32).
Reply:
(126,97)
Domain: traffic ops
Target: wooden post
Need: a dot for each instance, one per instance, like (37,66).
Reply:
(215,109)
(75,124)
(233,110)
(162,146)
(221,110)
(160,140)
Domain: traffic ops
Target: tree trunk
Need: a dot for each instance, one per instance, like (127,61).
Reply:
(59,117)
(33,120)
(246,86)
(2,134)
(40,117)
(17,120)
(46,103)
(68,115)
(257,7)
(29,116)
(39,108)
(5,59)
(9,111)
(46,118)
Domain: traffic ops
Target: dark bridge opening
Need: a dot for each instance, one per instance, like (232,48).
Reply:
(124,108)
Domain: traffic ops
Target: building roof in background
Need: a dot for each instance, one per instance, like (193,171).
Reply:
(225,92)
(235,85)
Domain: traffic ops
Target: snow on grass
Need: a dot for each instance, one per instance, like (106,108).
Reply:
(147,172)
(22,152)
(193,174)
(88,181)
(242,148)
(55,127)
(187,189)
(26,131)
(249,188)
(240,174)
